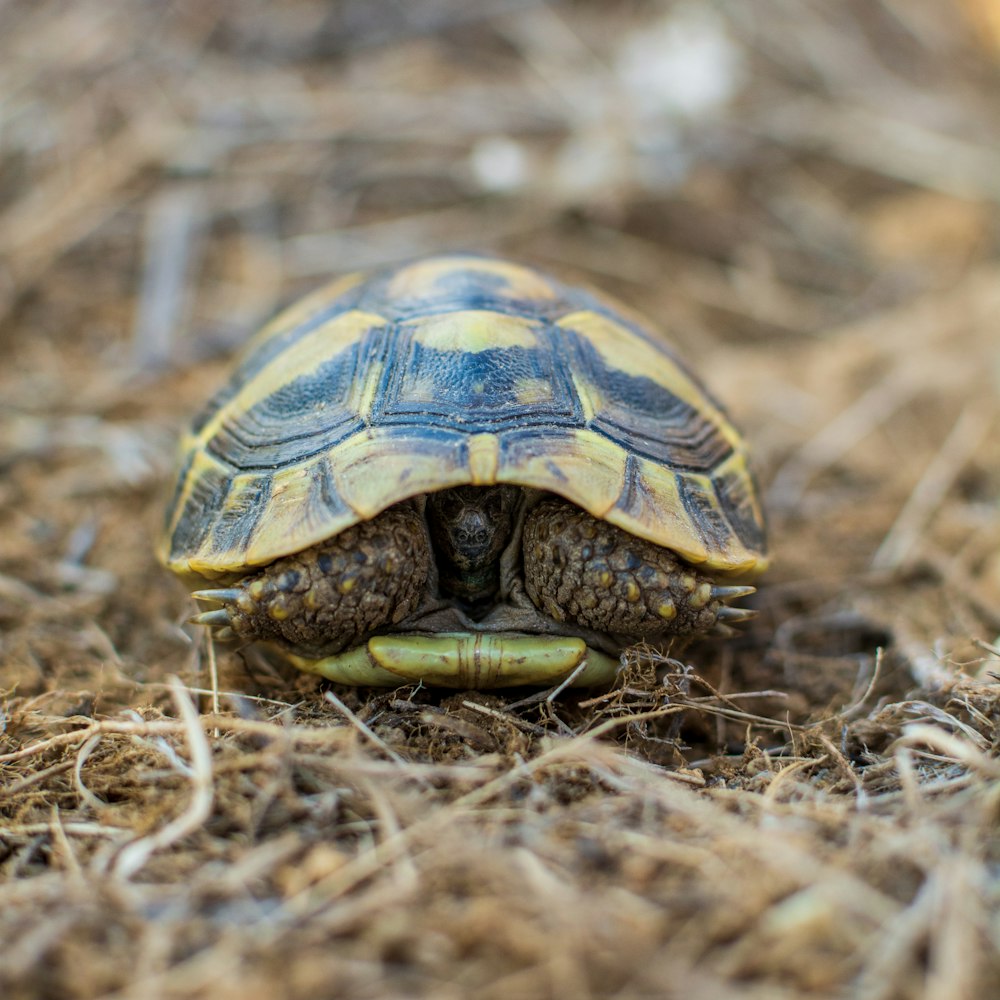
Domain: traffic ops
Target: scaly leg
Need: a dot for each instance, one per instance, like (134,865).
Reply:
(598,575)
(334,595)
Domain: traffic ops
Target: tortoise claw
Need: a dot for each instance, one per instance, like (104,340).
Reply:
(213,619)
(723,593)
(224,595)
(730,616)
(723,631)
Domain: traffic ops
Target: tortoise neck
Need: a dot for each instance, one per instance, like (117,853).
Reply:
(469,528)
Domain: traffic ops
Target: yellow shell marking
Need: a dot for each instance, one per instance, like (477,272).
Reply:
(473,330)
(663,517)
(243,495)
(593,465)
(621,349)
(736,467)
(406,468)
(368,390)
(418,280)
(301,358)
(290,516)
(201,464)
(484,459)
(532,391)
(589,401)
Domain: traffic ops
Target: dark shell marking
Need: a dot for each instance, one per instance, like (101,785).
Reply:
(452,371)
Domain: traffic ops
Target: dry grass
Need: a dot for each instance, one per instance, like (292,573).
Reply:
(808,811)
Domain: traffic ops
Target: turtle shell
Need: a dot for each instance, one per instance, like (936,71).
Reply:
(452,371)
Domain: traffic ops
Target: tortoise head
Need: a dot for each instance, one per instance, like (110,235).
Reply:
(470,527)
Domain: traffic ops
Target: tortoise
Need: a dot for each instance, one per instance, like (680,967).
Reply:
(463,472)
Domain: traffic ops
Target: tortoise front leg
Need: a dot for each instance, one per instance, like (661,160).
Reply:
(334,595)
(578,567)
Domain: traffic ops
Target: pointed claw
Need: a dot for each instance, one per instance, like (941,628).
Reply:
(727,593)
(224,595)
(723,631)
(214,619)
(732,615)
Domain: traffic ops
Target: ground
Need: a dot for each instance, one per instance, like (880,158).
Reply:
(805,198)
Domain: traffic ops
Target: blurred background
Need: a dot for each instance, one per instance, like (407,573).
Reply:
(803,194)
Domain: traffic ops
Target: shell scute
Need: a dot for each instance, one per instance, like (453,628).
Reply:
(452,371)
(445,284)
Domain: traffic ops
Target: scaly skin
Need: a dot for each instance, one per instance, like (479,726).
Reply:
(334,595)
(577,568)
(587,570)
